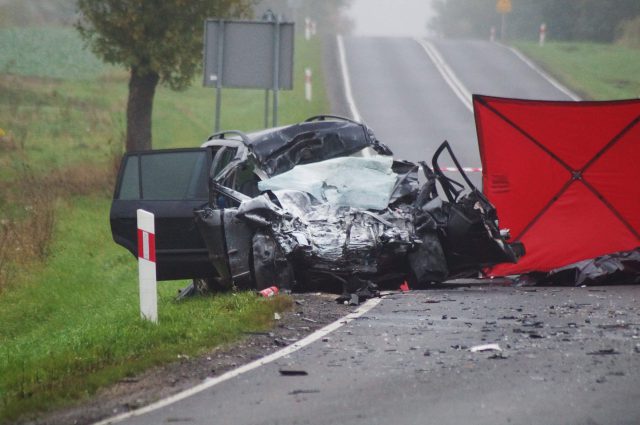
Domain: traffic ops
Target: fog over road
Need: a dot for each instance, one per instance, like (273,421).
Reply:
(569,355)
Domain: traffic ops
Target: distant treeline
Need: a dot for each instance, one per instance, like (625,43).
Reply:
(567,20)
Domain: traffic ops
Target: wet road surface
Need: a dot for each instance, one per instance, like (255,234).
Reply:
(569,356)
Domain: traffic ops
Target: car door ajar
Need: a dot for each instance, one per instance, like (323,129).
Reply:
(171,184)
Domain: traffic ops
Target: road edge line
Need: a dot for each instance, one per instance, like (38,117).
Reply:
(542,73)
(447,73)
(346,81)
(210,382)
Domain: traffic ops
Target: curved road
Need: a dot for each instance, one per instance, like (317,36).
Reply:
(568,355)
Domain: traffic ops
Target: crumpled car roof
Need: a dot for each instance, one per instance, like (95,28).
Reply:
(279,150)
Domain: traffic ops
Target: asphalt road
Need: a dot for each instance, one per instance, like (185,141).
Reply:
(402,97)
(568,355)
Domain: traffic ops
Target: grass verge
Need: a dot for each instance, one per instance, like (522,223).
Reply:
(70,316)
(594,71)
(74,325)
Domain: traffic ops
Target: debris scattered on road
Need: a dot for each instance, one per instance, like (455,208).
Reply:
(459,347)
(485,347)
(612,269)
(293,372)
(276,316)
(296,392)
(356,290)
(603,352)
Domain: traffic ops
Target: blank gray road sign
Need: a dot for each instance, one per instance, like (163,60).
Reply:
(247,54)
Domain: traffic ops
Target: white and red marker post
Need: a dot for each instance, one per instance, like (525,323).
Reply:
(307,28)
(543,33)
(308,93)
(147,266)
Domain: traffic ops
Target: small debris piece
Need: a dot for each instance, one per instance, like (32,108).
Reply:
(296,392)
(276,316)
(292,372)
(603,352)
(271,291)
(497,356)
(404,287)
(485,347)
(306,319)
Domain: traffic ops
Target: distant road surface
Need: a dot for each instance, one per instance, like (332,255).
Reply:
(569,356)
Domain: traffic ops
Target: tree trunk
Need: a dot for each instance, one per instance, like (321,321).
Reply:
(142,88)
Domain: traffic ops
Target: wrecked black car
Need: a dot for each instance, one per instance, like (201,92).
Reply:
(317,205)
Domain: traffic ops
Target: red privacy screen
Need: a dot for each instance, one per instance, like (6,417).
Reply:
(564,176)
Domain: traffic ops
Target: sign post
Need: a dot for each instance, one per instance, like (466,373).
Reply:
(249,54)
(503,7)
(147,266)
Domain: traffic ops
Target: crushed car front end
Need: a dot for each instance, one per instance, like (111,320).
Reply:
(337,212)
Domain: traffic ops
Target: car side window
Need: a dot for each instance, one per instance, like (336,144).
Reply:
(222,157)
(162,176)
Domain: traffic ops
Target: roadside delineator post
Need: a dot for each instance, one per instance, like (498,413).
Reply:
(492,35)
(543,33)
(307,85)
(307,28)
(147,266)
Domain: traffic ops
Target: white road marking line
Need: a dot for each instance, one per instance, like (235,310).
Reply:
(346,81)
(543,74)
(208,383)
(447,73)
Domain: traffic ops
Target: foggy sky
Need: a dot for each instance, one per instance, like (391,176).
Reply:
(390,17)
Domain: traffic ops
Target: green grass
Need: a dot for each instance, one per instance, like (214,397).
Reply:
(74,325)
(61,122)
(595,71)
(70,324)
(187,118)
(48,53)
